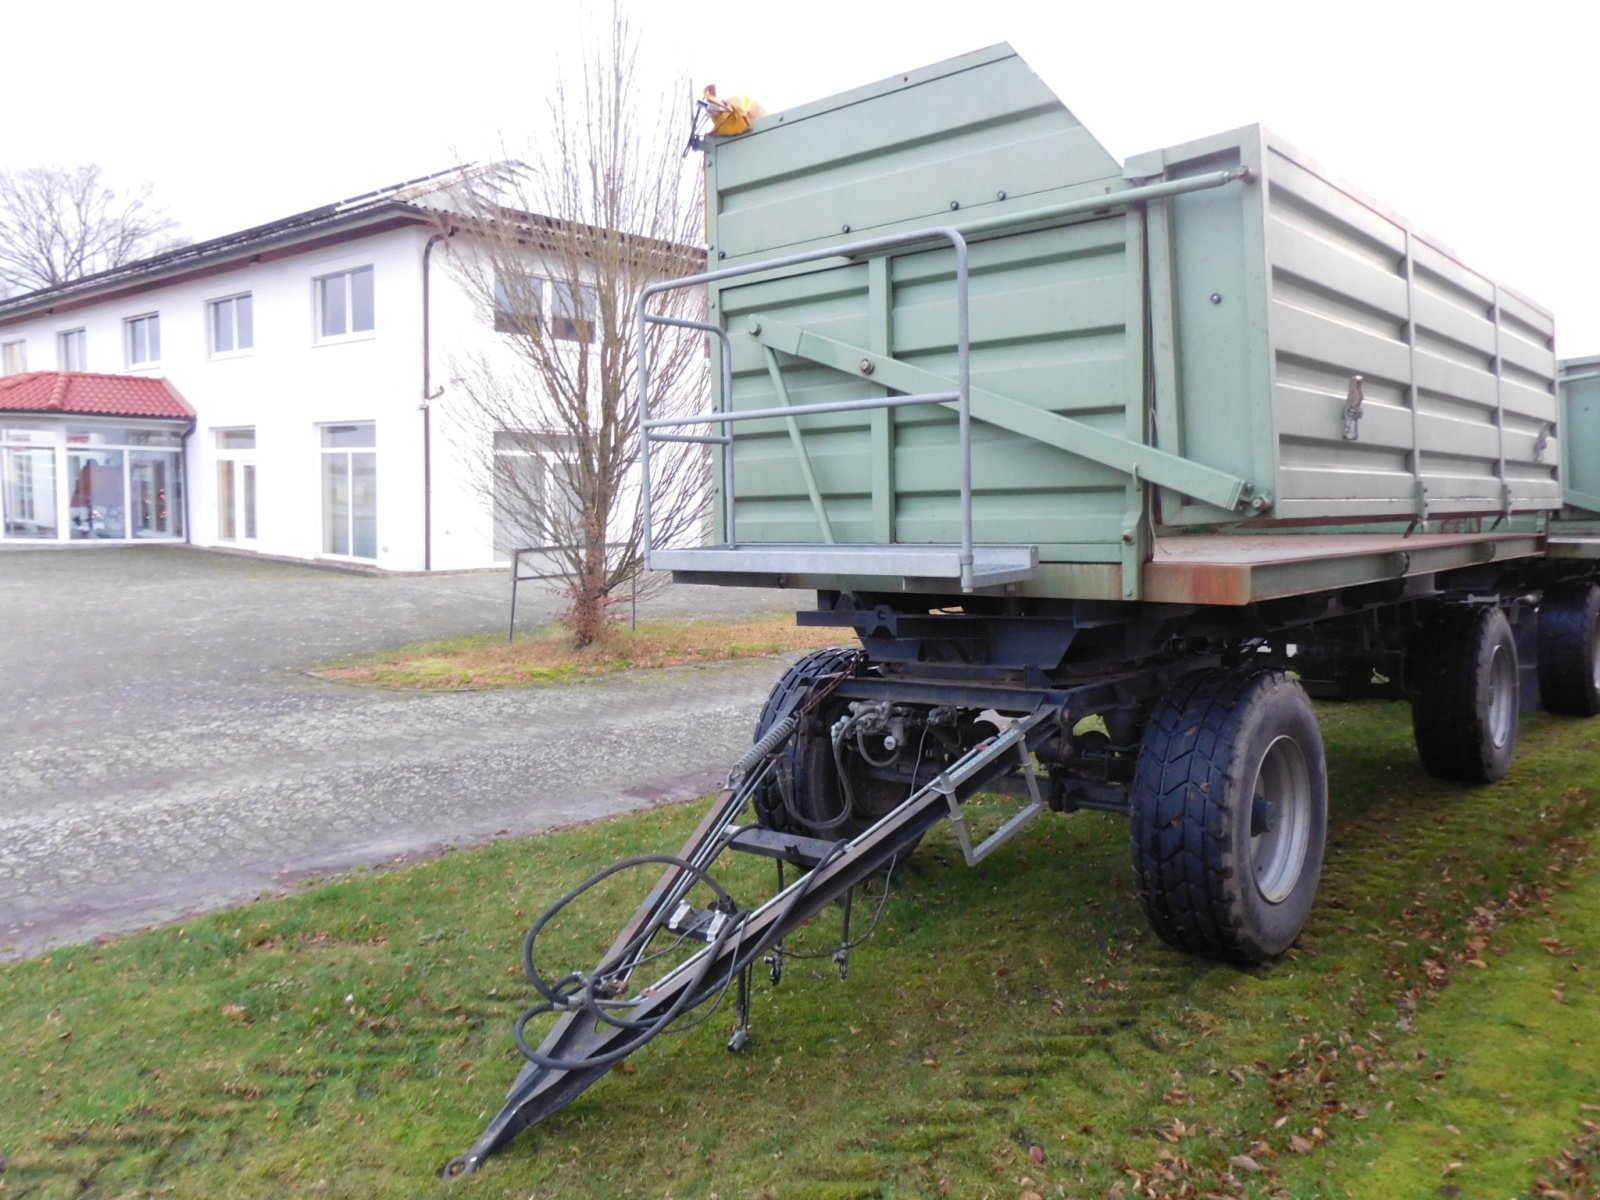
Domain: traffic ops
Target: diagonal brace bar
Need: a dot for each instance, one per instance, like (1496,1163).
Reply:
(799,442)
(1205,484)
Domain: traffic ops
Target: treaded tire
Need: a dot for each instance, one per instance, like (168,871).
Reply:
(800,761)
(1465,703)
(1569,649)
(1230,815)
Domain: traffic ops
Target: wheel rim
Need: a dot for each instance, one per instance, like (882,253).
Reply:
(1594,660)
(1502,696)
(1280,819)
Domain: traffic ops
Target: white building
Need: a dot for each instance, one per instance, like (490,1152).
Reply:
(315,353)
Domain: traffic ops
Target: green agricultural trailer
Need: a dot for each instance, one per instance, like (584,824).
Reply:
(1104,468)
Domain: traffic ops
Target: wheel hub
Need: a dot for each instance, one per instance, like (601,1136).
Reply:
(1502,697)
(1280,820)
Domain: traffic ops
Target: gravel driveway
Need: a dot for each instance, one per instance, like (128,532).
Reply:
(161,751)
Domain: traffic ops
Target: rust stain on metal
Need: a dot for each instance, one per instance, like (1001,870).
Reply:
(1222,568)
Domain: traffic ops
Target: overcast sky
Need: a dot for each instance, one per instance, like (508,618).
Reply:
(1479,122)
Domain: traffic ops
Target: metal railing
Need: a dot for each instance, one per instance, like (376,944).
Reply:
(961,396)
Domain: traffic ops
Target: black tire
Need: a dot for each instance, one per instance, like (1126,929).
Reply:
(1569,649)
(1230,815)
(1465,694)
(800,770)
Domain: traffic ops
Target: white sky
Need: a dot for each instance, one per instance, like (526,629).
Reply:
(1478,121)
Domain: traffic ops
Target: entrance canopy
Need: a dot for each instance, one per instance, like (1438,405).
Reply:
(91,457)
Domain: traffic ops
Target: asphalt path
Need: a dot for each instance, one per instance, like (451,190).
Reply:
(163,751)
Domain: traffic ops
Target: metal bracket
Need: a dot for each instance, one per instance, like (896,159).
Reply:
(1421,498)
(1353,401)
(1541,444)
(1036,805)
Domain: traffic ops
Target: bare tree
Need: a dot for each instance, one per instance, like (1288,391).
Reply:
(58,224)
(556,251)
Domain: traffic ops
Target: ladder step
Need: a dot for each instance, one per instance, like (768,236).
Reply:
(790,847)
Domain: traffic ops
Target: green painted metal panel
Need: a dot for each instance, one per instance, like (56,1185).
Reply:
(1457,373)
(899,153)
(1146,366)
(1580,425)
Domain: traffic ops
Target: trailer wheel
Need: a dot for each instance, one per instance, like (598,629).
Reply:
(788,694)
(815,803)
(1465,704)
(1230,813)
(1569,649)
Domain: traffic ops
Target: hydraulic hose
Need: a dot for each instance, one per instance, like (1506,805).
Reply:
(560,997)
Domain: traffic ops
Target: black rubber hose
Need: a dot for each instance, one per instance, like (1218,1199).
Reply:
(610,1057)
(690,996)
(558,998)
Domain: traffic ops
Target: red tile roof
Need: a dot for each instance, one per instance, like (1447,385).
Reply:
(92,395)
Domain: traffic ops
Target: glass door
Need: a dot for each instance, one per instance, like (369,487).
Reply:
(350,490)
(98,505)
(155,494)
(236,485)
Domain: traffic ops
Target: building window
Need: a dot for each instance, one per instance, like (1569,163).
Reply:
(143,338)
(232,325)
(13,358)
(27,488)
(72,350)
(535,505)
(520,302)
(344,304)
(572,311)
(236,485)
(350,490)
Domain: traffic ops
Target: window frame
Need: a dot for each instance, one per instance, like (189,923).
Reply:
(212,308)
(237,484)
(78,336)
(149,324)
(346,454)
(20,345)
(546,456)
(319,305)
(552,304)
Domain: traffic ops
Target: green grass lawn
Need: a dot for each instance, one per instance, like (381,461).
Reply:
(1013,1030)
(547,655)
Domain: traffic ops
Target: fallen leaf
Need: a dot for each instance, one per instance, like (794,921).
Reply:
(1300,1145)
(1036,1153)
(236,1012)
(1244,1162)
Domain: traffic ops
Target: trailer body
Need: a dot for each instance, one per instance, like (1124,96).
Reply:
(1277,354)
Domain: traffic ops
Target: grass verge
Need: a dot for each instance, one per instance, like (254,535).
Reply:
(548,655)
(1013,1031)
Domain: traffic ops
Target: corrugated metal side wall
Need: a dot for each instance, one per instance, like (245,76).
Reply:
(1051,318)
(1458,374)
(1580,444)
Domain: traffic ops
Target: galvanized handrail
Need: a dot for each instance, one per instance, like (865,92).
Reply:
(962,396)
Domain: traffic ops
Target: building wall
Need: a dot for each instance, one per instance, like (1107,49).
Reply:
(289,384)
